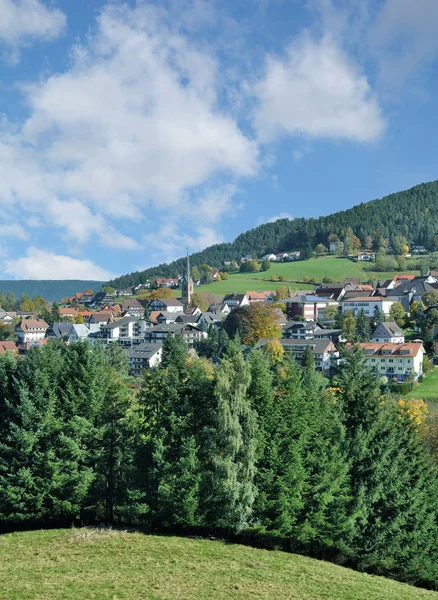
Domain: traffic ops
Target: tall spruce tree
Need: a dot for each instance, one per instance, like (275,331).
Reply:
(393,482)
(363,328)
(234,446)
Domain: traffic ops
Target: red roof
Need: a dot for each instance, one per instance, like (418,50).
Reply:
(8,345)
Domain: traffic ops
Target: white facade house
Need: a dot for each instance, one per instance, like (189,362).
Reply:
(166,304)
(388,332)
(235,300)
(367,304)
(31,330)
(145,356)
(270,257)
(366,256)
(124,330)
(395,361)
(83,331)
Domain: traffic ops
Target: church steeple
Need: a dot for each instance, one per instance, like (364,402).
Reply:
(187,285)
(188,266)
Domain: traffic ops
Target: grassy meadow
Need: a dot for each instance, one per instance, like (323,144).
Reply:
(93,564)
(294,273)
(427,389)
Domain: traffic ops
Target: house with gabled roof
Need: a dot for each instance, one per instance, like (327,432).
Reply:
(8,346)
(59,331)
(260,296)
(132,307)
(144,356)
(166,304)
(31,330)
(236,300)
(84,331)
(7,316)
(388,332)
(395,361)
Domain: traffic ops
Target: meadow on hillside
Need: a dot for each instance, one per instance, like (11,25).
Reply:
(294,273)
(102,564)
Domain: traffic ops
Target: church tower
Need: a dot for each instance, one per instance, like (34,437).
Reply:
(187,284)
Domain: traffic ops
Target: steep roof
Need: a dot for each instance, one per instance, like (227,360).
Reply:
(387,329)
(59,330)
(32,325)
(168,301)
(8,345)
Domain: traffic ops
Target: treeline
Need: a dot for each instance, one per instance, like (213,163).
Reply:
(259,446)
(51,290)
(411,215)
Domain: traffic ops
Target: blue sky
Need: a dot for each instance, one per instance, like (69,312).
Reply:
(132,130)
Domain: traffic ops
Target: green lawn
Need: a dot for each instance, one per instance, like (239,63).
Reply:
(86,564)
(427,389)
(294,273)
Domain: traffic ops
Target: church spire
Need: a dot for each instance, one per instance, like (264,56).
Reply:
(188,266)
(187,284)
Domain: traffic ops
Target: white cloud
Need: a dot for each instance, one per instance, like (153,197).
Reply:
(135,120)
(316,91)
(14,230)
(170,241)
(24,20)
(42,264)
(282,215)
(132,127)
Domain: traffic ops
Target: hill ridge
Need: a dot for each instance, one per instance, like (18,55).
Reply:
(411,213)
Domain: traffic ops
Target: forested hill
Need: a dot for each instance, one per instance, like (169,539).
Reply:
(412,213)
(51,290)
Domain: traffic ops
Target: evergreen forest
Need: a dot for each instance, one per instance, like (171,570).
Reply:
(251,447)
(410,215)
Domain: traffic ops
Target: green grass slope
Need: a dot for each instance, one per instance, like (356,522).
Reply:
(427,389)
(294,273)
(96,565)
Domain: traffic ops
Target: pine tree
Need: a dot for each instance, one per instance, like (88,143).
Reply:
(392,480)
(174,353)
(378,316)
(308,360)
(363,328)
(43,471)
(234,449)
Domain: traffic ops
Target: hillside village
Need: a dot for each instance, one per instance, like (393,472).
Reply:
(323,320)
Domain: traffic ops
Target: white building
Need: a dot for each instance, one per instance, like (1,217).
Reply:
(126,331)
(399,361)
(166,304)
(367,304)
(83,331)
(31,330)
(388,332)
(144,356)
(235,300)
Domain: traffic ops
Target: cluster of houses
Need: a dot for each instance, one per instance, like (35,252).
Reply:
(141,327)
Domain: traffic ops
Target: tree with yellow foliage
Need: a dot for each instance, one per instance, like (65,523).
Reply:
(161,293)
(275,351)
(416,410)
